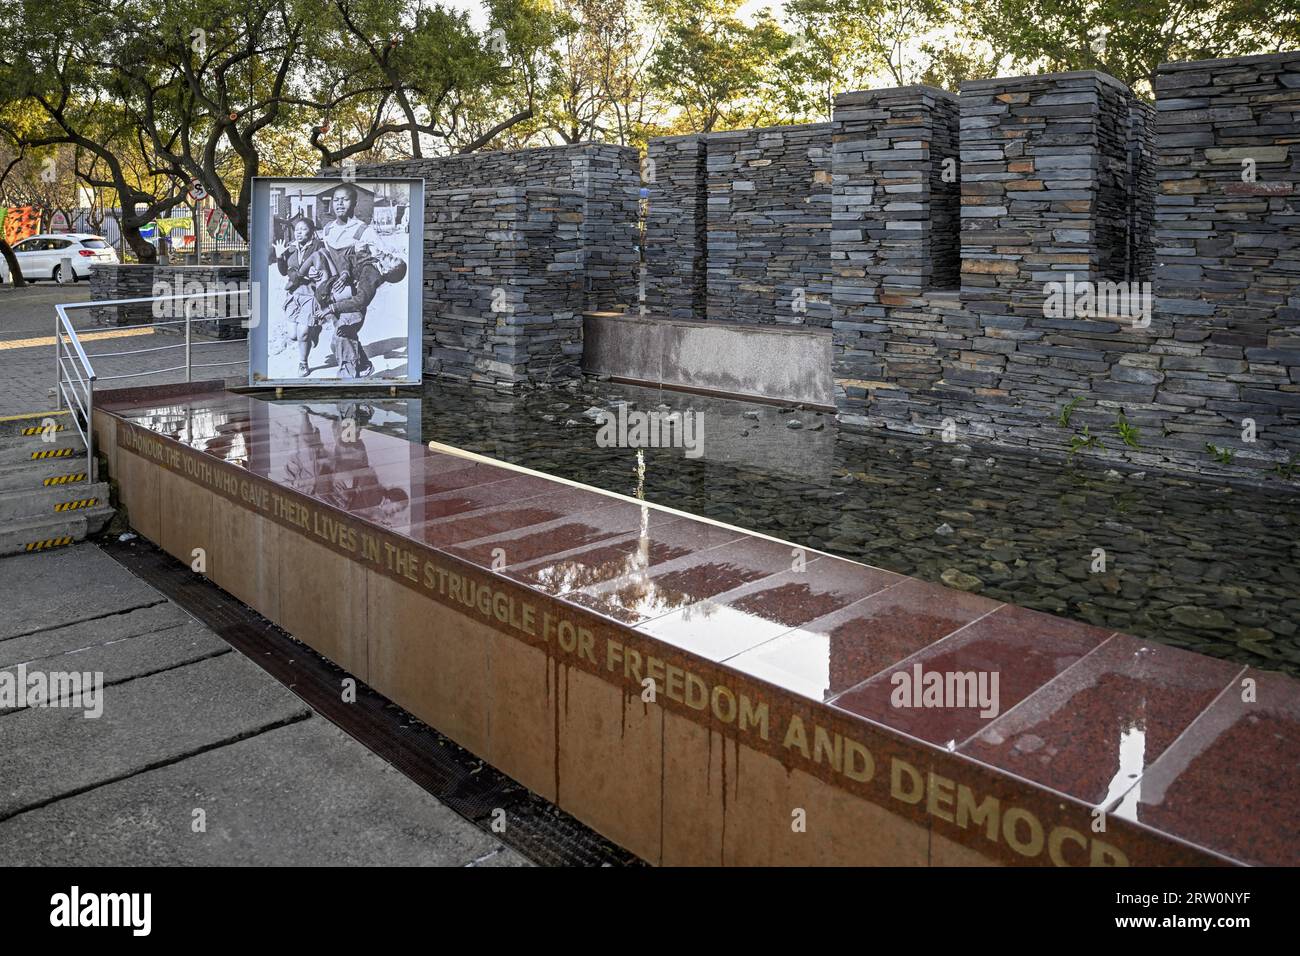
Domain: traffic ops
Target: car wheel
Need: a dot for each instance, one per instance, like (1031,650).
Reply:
(58,275)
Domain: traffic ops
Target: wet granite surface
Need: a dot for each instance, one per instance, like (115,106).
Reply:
(1128,722)
(1206,567)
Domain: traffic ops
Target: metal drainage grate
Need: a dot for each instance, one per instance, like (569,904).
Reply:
(537,828)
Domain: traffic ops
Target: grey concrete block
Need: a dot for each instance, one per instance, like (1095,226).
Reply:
(123,658)
(92,633)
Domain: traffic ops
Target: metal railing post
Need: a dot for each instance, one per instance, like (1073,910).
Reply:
(92,467)
(58,361)
(82,411)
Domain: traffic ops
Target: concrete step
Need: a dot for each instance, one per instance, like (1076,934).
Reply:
(46,497)
(36,429)
(29,448)
(59,428)
(33,423)
(39,473)
(51,500)
(52,531)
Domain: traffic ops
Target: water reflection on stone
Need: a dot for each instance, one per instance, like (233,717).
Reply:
(1209,568)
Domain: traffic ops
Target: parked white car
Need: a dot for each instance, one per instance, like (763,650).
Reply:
(43,256)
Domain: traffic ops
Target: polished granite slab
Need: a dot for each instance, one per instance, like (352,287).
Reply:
(1145,731)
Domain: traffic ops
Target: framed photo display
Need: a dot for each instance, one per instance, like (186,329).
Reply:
(336,277)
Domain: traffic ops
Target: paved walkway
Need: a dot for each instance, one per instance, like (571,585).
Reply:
(198,758)
(27,348)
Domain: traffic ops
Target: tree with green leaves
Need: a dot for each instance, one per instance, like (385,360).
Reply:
(383,73)
(1130,38)
(203,80)
(717,70)
(53,94)
(846,44)
(203,90)
(598,89)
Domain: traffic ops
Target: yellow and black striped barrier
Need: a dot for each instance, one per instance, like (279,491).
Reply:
(45,543)
(64,479)
(74,505)
(52,453)
(41,429)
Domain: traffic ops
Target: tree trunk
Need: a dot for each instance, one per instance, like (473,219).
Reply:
(15,271)
(143,248)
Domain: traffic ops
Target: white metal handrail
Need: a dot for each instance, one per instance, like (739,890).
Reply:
(76,376)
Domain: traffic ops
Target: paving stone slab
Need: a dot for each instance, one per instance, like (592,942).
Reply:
(65,586)
(306,794)
(92,633)
(128,658)
(51,752)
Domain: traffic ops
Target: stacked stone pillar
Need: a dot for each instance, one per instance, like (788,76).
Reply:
(894,237)
(1044,183)
(769,199)
(503,286)
(676,258)
(1228,251)
(1045,200)
(1141,191)
(610,182)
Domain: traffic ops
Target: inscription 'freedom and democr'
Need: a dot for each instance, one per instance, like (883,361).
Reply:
(897,783)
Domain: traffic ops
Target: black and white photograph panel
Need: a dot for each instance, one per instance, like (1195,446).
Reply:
(338,281)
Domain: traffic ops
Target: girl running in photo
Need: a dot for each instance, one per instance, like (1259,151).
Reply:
(304,265)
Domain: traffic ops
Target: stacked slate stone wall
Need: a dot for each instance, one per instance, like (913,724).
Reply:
(894,240)
(1057,181)
(943,222)
(768,249)
(1227,237)
(1141,191)
(122,281)
(608,177)
(1044,172)
(1065,182)
(676,232)
(144,280)
(1114,126)
(504,290)
(1044,205)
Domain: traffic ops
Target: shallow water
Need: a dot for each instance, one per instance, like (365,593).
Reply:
(1209,568)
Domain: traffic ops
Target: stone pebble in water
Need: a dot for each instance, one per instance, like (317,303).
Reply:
(960,580)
